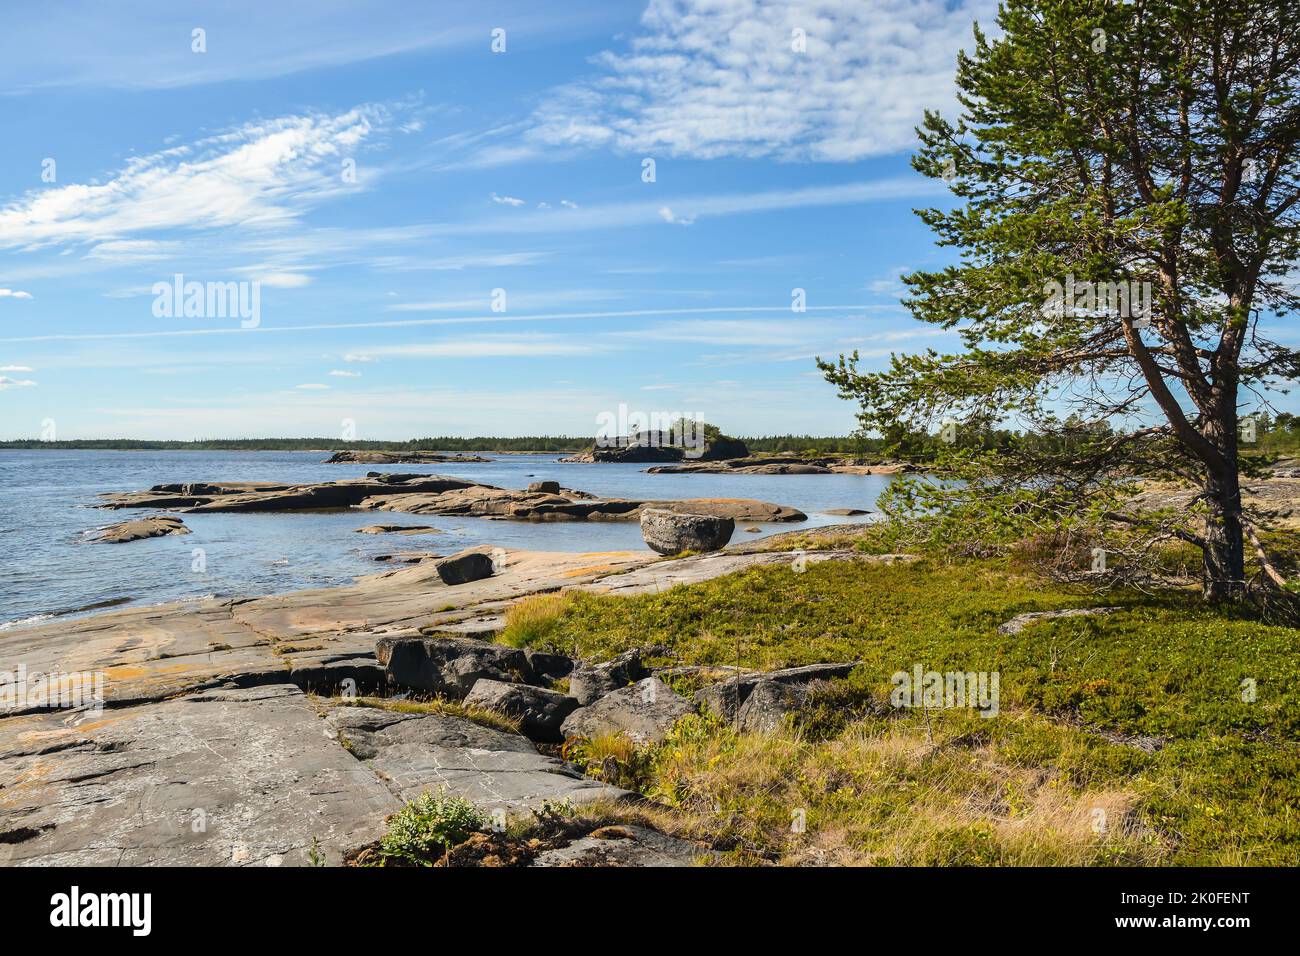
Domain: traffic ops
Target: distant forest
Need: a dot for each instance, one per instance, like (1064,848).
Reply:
(1275,435)
(788,444)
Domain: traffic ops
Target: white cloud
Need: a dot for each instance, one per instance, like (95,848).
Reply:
(260,174)
(16,368)
(666,215)
(14,294)
(132,250)
(507,200)
(284,280)
(343,373)
(358,358)
(492,347)
(7,382)
(567,204)
(312,387)
(714,78)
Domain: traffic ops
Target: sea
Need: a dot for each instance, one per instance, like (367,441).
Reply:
(50,568)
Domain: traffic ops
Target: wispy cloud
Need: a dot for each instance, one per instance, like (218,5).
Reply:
(492,347)
(507,200)
(6,382)
(14,294)
(821,80)
(344,373)
(667,215)
(258,175)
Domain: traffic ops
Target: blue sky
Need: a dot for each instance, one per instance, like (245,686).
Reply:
(475,170)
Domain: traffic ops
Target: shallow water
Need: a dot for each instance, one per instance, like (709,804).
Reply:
(47,566)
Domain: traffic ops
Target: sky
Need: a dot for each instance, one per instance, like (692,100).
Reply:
(459,218)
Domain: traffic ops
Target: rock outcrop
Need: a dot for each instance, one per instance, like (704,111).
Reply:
(704,443)
(493,769)
(671,532)
(783,465)
(433,494)
(769,703)
(255,496)
(727,697)
(139,528)
(207,750)
(541,712)
(450,665)
(399,458)
(644,712)
(590,683)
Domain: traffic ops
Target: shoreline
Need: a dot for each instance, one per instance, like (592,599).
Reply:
(252,680)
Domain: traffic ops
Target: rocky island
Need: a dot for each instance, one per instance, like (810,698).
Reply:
(431,494)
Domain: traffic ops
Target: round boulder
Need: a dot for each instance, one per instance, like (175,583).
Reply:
(671,532)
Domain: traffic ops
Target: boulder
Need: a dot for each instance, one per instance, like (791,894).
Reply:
(465,567)
(669,532)
(139,528)
(540,712)
(644,712)
(449,665)
(727,697)
(549,666)
(545,487)
(768,704)
(589,684)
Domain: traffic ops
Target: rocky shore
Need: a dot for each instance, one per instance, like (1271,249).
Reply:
(239,732)
(433,495)
(783,465)
(399,458)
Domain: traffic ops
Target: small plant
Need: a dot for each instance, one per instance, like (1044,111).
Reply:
(314,855)
(427,827)
(610,758)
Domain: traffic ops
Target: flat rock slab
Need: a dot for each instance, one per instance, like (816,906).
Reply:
(624,846)
(138,529)
(1021,621)
(230,778)
(490,768)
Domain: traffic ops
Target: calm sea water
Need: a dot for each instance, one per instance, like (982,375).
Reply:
(48,567)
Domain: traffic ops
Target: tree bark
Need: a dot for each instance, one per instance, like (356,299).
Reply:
(1224,553)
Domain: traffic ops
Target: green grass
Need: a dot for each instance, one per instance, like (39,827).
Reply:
(1077,695)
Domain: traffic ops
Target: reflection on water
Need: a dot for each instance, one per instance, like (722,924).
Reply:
(47,566)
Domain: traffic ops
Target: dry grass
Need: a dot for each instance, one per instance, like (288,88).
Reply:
(887,791)
(437,705)
(533,621)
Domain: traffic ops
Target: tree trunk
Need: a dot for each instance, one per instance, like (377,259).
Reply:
(1225,556)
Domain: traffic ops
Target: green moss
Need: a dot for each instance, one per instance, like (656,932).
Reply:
(1147,710)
